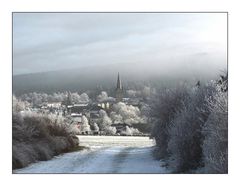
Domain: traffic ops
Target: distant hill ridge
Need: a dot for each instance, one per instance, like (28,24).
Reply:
(102,77)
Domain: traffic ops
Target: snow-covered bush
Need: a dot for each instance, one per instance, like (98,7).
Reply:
(39,137)
(163,109)
(185,137)
(215,145)
(191,127)
(23,154)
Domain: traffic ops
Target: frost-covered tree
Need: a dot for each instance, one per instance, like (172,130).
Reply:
(116,118)
(163,109)
(191,127)
(19,105)
(110,130)
(95,127)
(185,137)
(129,131)
(127,113)
(85,127)
(84,97)
(36,99)
(75,97)
(39,98)
(105,123)
(104,97)
(215,145)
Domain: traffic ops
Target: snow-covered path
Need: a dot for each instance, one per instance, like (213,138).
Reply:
(107,154)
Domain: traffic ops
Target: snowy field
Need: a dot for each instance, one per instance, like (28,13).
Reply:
(113,141)
(106,154)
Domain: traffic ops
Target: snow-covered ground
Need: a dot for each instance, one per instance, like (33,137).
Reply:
(107,154)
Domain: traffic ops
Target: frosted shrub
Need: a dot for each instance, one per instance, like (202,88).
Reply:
(185,137)
(215,146)
(164,107)
(43,150)
(191,127)
(39,137)
(23,154)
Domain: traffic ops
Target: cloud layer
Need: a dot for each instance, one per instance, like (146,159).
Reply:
(58,41)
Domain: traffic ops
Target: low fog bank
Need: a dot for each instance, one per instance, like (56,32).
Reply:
(132,75)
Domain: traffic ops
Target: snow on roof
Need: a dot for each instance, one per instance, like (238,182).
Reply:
(76,115)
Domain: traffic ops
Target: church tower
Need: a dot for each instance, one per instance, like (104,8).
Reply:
(119,90)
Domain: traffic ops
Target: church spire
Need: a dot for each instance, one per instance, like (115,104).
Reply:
(119,83)
(119,89)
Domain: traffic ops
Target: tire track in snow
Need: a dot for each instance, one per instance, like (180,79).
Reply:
(140,160)
(119,159)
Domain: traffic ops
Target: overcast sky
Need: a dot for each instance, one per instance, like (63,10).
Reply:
(57,41)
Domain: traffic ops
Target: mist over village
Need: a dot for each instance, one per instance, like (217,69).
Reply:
(101,92)
(102,114)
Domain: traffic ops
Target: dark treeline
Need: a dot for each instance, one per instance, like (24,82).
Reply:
(103,78)
(191,127)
